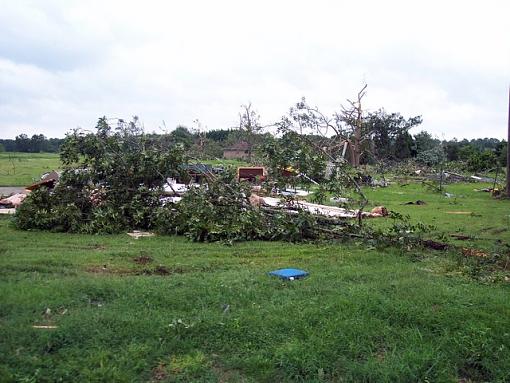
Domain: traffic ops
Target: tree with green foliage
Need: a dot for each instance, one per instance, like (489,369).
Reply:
(111,181)
(23,143)
(424,142)
(182,135)
(432,157)
(249,126)
(390,134)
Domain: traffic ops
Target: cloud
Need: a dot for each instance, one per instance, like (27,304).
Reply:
(63,64)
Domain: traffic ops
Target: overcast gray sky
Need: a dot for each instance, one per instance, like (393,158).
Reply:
(63,64)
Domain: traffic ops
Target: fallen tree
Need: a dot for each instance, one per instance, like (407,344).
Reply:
(113,181)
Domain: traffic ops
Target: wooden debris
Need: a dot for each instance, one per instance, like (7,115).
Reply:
(470,252)
(418,202)
(137,234)
(435,245)
(461,237)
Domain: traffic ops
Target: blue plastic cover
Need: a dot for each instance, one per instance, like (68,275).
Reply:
(289,273)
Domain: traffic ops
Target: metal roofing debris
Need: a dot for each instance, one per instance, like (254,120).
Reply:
(294,192)
(328,211)
(48,180)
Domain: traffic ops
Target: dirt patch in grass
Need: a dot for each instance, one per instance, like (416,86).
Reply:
(159,270)
(380,355)
(435,245)
(143,259)
(225,374)
(162,271)
(159,373)
(474,371)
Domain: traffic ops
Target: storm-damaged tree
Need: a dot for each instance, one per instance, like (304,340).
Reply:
(249,126)
(341,132)
(112,181)
(312,147)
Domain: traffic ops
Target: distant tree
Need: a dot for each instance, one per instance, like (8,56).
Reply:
(424,142)
(9,145)
(38,143)
(181,135)
(212,149)
(23,143)
(466,152)
(403,145)
(249,125)
(500,152)
(2,148)
(480,161)
(432,157)
(451,149)
(390,134)
(218,135)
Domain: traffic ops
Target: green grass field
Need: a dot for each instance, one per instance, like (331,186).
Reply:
(166,309)
(475,214)
(22,169)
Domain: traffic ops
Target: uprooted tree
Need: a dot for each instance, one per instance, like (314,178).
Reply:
(249,126)
(111,180)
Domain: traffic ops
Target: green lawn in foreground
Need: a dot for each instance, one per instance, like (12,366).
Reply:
(22,169)
(210,313)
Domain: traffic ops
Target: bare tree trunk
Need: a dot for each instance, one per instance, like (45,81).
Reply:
(358,130)
(508,151)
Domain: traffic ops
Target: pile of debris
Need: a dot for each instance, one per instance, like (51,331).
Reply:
(174,191)
(10,203)
(451,177)
(294,206)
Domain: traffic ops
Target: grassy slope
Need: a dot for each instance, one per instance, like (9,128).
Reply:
(362,315)
(21,169)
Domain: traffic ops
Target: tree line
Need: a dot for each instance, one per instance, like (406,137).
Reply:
(384,137)
(36,144)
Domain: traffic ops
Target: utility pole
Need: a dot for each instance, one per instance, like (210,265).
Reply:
(508,150)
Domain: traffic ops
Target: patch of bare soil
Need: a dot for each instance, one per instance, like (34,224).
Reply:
(105,269)
(435,245)
(143,259)
(159,373)
(161,270)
